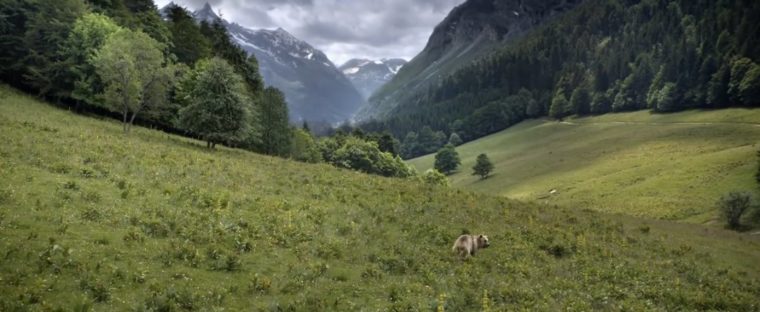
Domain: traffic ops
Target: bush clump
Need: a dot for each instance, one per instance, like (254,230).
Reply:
(733,205)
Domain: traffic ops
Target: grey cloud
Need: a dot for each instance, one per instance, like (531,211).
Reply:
(343,29)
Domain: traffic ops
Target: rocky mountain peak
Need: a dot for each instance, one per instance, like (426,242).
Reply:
(206,14)
(369,75)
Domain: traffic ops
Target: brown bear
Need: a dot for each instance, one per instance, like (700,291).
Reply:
(467,245)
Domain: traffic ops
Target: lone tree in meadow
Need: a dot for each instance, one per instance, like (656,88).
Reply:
(134,72)
(218,109)
(733,205)
(447,159)
(483,166)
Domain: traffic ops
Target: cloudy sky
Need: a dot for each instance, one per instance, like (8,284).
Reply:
(343,29)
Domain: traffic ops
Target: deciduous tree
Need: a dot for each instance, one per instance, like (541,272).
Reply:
(483,166)
(134,71)
(447,159)
(218,111)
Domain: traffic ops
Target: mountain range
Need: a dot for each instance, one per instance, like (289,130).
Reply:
(369,75)
(314,88)
(470,31)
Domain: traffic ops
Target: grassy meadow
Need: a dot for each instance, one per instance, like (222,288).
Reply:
(666,166)
(92,219)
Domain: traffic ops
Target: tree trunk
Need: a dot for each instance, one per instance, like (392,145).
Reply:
(124,121)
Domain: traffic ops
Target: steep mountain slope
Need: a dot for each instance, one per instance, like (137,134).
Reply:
(674,166)
(470,31)
(601,56)
(368,75)
(92,219)
(314,88)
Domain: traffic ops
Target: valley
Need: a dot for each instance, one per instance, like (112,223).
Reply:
(667,166)
(92,219)
(162,156)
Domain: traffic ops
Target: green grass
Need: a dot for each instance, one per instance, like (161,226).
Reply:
(91,218)
(667,166)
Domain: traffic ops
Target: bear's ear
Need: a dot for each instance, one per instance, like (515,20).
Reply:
(481,236)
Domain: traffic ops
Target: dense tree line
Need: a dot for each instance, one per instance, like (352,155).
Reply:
(604,56)
(122,58)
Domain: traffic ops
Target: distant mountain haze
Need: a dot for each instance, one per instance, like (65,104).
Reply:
(368,75)
(314,88)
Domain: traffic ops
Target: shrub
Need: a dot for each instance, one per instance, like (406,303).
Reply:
(733,205)
(433,177)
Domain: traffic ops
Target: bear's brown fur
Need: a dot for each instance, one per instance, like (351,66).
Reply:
(467,245)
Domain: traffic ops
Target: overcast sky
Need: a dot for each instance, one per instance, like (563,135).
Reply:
(343,29)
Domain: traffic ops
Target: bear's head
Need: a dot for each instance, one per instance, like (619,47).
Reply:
(483,241)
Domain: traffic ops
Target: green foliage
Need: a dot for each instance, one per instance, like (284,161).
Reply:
(275,133)
(88,35)
(665,100)
(580,101)
(218,109)
(454,139)
(134,71)
(387,143)
(365,156)
(749,88)
(47,29)
(739,69)
(483,166)
(434,177)
(223,47)
(304,147)
(600,103)
(560,106)
(16,15)
(717,94)
(447,159)
(732,206)
(188,43)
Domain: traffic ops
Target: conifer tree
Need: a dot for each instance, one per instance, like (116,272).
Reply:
(483,166)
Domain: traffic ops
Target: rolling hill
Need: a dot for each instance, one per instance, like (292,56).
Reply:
(92,219)
(671,166)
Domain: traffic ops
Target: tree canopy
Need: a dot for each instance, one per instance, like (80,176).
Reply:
(218,108)
(447,159)
(483,166)
(135,73)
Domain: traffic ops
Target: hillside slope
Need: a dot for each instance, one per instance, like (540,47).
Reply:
(600,56)
(672,166)
(470,31)
(93,219)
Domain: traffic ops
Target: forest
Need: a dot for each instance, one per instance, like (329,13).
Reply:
(124,60)
(604,56)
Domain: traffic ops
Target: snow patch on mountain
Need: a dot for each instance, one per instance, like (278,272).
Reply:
(314,88)
(370,75)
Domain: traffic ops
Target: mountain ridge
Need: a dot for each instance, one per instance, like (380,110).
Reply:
(369,75)
(316,91)
(470,31)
